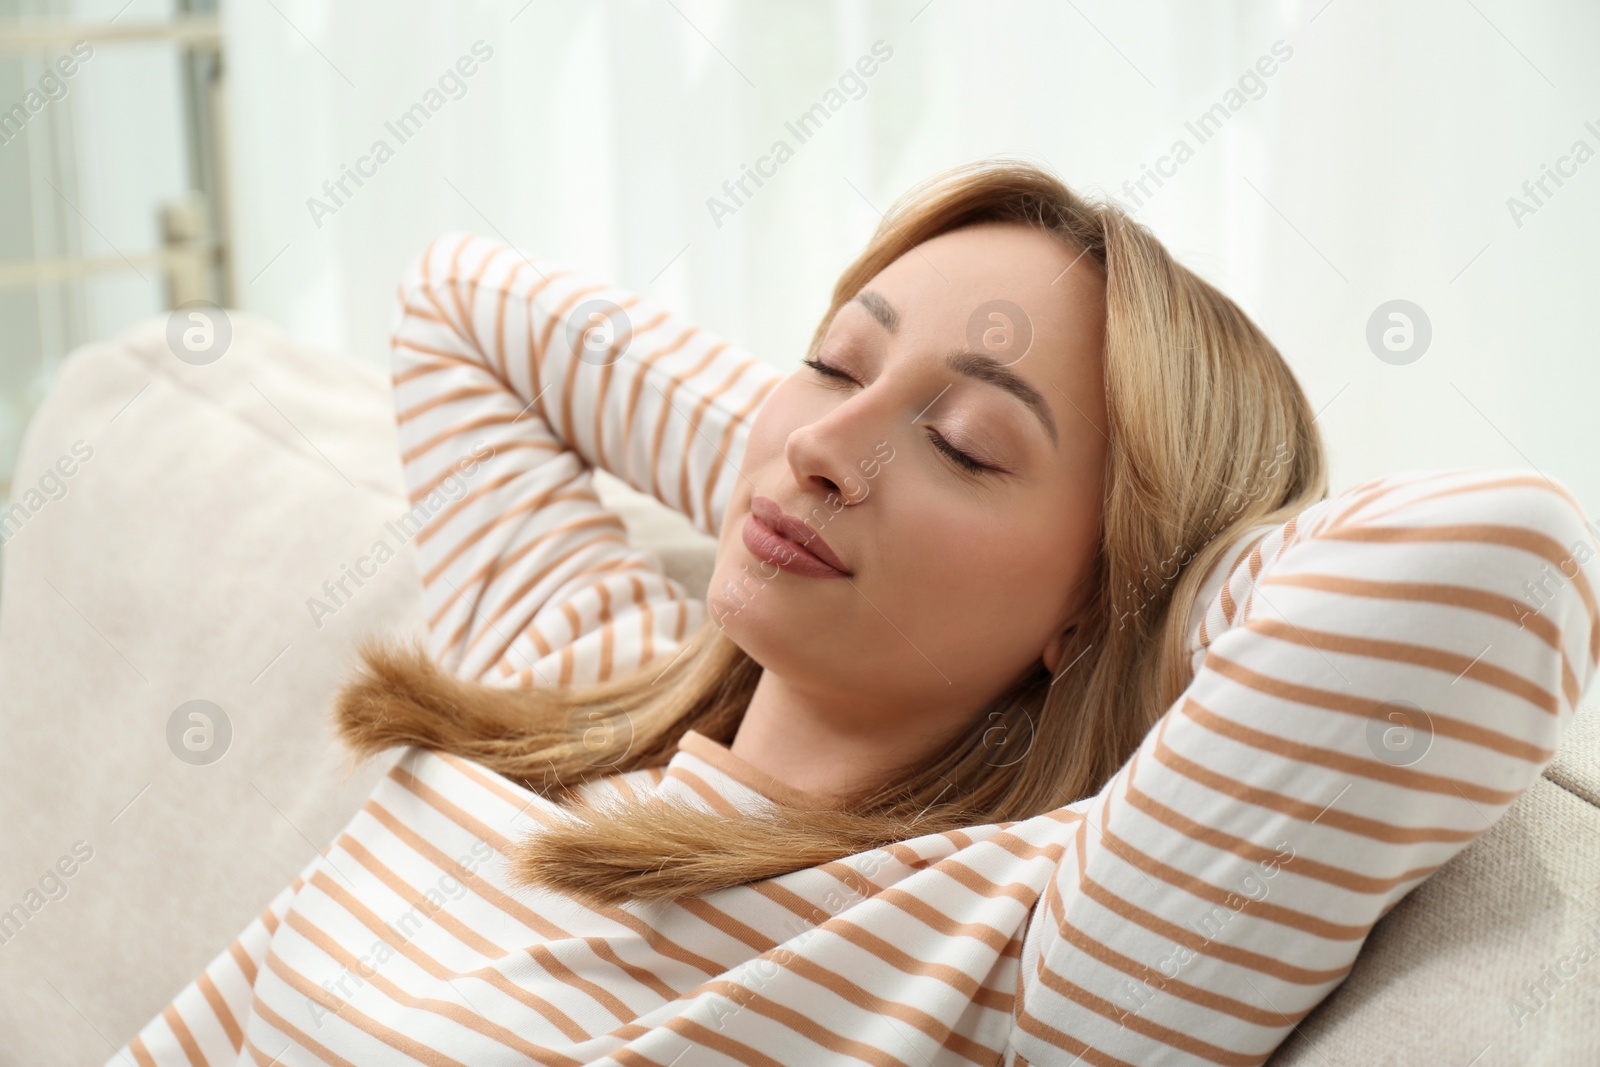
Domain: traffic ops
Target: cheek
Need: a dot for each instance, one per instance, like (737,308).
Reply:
(956,556)
(988,577)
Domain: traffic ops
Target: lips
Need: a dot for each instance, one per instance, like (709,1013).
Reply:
(767,511)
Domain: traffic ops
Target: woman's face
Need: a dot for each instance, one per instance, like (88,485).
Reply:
(958,579)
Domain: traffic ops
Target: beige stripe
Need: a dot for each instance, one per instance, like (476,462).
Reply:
(246,965)
(495,418)
(556,317)
(1021,892)
(620,781)
(874,1004)
(1228,605)
(629,1058)
(752,777)
(295,1034)
(1164,1034)
(1188,938)
(503,289)
(737,1051)
(609,529)
(441,520)
(492,568)
(219,1008)
(1199,887)
(461,818)
(830,979)
(440,360)
(420,489)
(647,619)
(604,406)
(749,1000)
(1340,761)
(494,251)
(465,1017)
(602,403)
(411,310)
(685,474)
(705,911)
(1451,595)
(1443,724)
(1355,824)
(937,920)
(600,572)
(607,632)
(510,515)
(426,268)
(668,413)
(1513,481)
(705,791)
(605,526)
(393,1038)
(453,284)
(954,977)
(1547,548)
(461,932)
(1251,552)
(521,913)
(711,916)
(1196,831)
(790,900)
(1387,486)
(1151,976)
(261,1058)
(466,392)
(1020,848)
(140,1053)
(719,462)
(180,1030)
(1452,663)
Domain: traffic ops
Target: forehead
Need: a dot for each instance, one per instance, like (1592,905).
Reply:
(949,287)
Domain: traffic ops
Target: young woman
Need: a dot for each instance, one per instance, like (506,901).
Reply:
(1044,708)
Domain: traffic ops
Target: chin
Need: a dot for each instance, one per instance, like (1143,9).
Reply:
(738,585)
(770,643)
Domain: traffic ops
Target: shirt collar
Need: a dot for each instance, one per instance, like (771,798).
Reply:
(707,771)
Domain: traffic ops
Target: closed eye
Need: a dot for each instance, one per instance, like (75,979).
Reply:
(955,455)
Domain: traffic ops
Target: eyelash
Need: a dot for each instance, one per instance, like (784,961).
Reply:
(959,458)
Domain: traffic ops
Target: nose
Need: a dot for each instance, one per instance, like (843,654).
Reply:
(832,451)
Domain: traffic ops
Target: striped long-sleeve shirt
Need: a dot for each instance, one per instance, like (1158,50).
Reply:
(1375,681)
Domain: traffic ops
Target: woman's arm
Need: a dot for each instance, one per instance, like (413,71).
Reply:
(1376,681)
(503,406)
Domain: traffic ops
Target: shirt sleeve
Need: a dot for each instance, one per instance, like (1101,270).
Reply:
(514,377)
(1375,682)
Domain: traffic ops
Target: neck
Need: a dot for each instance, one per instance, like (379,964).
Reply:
(828,746)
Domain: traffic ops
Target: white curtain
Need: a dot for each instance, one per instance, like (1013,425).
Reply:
(1340,156)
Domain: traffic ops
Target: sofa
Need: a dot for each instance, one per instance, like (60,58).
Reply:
(168,762)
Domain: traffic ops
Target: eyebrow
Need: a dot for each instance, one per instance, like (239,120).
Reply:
(975,365)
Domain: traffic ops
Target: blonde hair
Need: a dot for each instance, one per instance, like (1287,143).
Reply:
(1209,434)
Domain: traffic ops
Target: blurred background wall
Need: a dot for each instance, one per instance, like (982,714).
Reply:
(1317,160)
